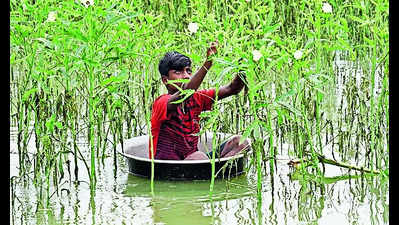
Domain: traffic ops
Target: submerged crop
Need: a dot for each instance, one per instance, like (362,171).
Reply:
(87,70)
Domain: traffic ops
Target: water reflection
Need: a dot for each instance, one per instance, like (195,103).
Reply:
(288,196)
(189,202)
(342,199)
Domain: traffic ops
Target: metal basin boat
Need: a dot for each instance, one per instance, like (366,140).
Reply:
(135,150)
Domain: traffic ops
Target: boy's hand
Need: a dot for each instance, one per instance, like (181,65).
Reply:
(211,50)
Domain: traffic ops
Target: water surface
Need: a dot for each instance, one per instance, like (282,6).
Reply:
(287,196)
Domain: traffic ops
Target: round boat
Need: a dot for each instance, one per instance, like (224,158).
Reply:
(136,152)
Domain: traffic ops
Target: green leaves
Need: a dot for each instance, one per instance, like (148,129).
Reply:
(28,93)
(115,79)
(107,55)
(185,93)
(76,34)
(254,126)
(114,17)
(51,123)
(47,43)
(270,29)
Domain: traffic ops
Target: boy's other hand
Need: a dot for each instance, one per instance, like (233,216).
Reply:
(212,49)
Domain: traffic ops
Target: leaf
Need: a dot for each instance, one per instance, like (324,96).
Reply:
(50,123)
(223,73)
(344,24)
(186,94)
(46,42)
(270,29)
(112,18)
(282,97)
(12,59)
(290,108)
(28,93)
(279,116)
(258,86)
(248,131)
(76,34)
(368,22)
(205,114)
(314,78)
(116,104)
(260,105)
(108,81)
(309,43)
(58,124)
(91,62)
(357,19)
(115,79)
(321,91)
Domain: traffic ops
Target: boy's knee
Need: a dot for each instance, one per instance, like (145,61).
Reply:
(236,139)
(235,145)
(197,155)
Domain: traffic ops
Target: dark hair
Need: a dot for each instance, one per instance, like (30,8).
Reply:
(173,61)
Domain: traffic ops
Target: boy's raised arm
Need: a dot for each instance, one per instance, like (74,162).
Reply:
(196,79)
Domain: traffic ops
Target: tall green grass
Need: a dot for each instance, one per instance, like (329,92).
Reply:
(92,73)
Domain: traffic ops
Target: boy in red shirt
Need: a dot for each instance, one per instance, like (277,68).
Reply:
(173,125)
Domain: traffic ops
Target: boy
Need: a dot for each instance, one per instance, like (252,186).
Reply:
(173,125)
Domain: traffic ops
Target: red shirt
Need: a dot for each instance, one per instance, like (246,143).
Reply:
(173,132)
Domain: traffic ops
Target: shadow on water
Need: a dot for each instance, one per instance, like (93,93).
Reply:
(188,202)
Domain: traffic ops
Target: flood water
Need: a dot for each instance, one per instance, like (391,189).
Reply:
(286,199)
(288,196)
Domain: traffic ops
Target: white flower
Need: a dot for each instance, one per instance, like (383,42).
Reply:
(256,55)
(193,27)
(247,0)
(52,16)
(87,3)
(327,8)
(271,43)
(298,54)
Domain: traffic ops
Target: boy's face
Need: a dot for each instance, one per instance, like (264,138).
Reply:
(185,73)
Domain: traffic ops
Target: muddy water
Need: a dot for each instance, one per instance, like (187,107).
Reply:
(288,196)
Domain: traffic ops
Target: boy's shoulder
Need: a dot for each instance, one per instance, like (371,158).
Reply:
(161,96)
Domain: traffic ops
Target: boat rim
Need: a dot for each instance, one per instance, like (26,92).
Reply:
(169,161)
